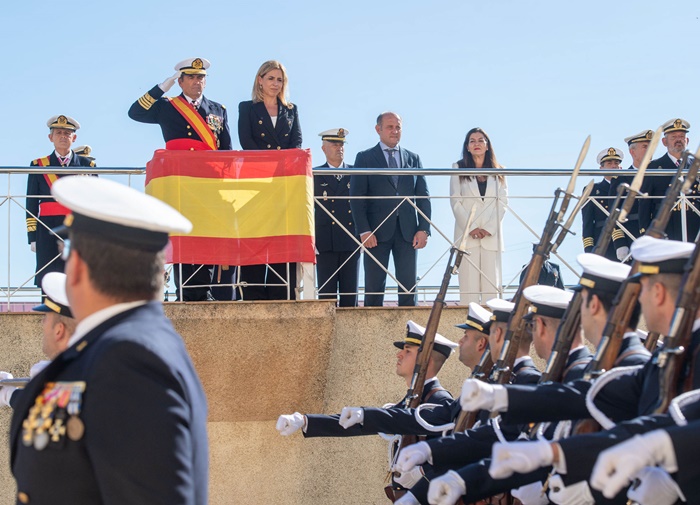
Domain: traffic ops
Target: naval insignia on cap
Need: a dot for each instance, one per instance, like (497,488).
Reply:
(676,125)
(659,256)
(477,319)
(600,273)
(334,135)
(193,66)
(63,122)
(117,213)
(500,309)
(643,136)
(611,153)
(547,301)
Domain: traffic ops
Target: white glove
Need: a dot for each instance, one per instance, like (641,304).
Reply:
(32,246)
(411,456)
(38,367)
(6,391)
(410,478)
(288,424)
(575,494)
(350,416)
(521,457)
(407,499)
(531,494)
(478,395)
(653,486)
(446,489)
(168,83)
(622,252)
(617,466)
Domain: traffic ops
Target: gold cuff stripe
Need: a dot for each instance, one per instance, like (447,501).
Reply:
(617,234)
(146,101)
(31,228)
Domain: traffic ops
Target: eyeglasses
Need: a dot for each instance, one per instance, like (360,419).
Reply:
(478,141)
(66,250)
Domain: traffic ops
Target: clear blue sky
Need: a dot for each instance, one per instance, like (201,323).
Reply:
(538,76)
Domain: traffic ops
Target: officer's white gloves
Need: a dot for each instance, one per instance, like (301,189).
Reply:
(531,494)
(350,416)
(410,478)
(407,499)
(38,367)
(622,252)
(446,489)
(617,466)
(413,455)
(521,457)
(168,83)
(32,246)
(6,391)
(653,486)
(288,424)
(575,494)
(478,395)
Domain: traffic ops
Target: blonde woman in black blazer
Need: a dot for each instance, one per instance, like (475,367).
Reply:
(480,272)
(269,121)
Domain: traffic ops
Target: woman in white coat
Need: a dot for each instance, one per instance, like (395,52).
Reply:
(480,271)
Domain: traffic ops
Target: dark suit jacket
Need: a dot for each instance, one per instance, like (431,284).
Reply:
(593,220)
(153,108)
(632,224)
(255,130)
(369,213)
(329,236)
(144,413)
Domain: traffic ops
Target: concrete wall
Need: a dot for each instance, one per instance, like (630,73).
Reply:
(260,360)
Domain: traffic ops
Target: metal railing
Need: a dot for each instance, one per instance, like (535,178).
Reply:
(530,194)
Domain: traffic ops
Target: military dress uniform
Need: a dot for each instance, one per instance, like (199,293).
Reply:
(656,188)
(593,217)
(179,134)
(43,213)
(120,416)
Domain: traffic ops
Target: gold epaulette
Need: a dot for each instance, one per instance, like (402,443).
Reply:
(31,224)
(146,101)
(588,242)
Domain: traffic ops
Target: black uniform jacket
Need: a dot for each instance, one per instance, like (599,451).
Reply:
(153,108)
(255,130)
(319,425)
(329,236)
(593,219)
(632,224)
(144,414)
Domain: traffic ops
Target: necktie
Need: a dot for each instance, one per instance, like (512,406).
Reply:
(678,163)
(392,164)
(63,160)
(338,176)
(194,104)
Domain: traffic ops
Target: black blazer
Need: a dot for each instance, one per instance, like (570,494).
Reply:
(369,213)
(255,130)
(144,413)
(329,236)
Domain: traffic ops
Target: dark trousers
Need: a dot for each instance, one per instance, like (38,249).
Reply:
(199,277)
(345,281)
(405,270)
(264,275)
(47,248)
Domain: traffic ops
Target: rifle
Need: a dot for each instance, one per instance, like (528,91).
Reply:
(465,420)
(18,382)
(502,370)
(623,305)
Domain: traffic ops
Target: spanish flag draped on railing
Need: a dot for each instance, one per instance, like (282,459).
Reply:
(246,207)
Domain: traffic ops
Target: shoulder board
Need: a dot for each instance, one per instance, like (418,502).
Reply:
(223,106)
(92,164)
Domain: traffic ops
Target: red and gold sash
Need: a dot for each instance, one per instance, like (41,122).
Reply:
(195,120)
(50,208)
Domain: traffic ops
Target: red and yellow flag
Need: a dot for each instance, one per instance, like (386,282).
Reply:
(246,207)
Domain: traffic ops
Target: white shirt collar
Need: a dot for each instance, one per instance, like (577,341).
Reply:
(520,360)
(385,147)
(94,320)
(673,158)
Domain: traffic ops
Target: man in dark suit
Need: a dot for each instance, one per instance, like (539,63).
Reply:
(676,140)
(402,231)
(43,213)
(337,258)
(593,218)
(189,122)
(125,385)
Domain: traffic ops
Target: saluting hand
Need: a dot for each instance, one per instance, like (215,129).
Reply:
(168,83)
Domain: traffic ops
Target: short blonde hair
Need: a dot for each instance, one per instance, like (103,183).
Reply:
(262,71)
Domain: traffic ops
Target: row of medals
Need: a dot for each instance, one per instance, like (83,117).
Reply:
(54,415)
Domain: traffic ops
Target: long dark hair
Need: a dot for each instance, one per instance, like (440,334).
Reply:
(467,160)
